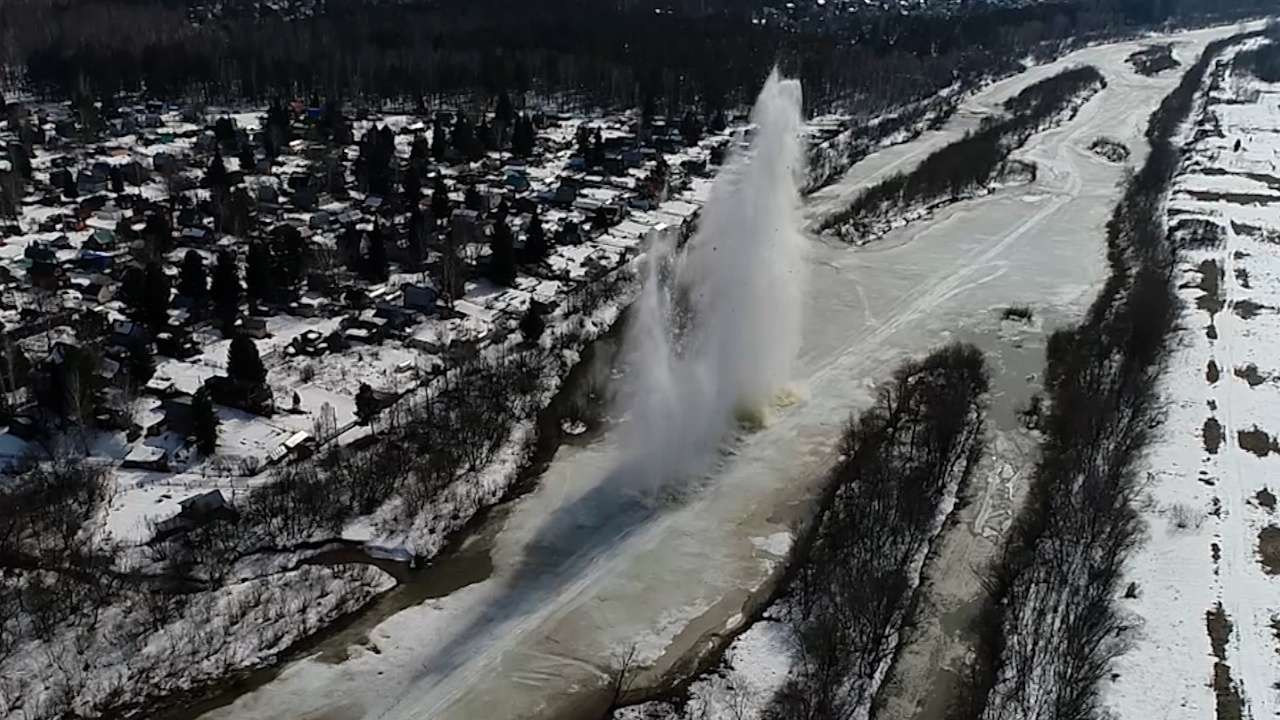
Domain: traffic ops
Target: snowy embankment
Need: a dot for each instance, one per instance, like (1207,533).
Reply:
(971,166)
(825,646)
(172,621)
(1202,591)
(1052,623)
(828,159)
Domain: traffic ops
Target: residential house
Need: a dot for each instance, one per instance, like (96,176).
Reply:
(147,457)
(196,511)
(255,327)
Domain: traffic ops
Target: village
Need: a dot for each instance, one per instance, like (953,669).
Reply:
(191,297)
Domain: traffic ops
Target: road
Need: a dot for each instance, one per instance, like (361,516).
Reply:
(583,571)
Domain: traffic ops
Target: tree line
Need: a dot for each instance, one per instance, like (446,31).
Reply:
(1049,626)
(973,161)
(854,577)
(567,51)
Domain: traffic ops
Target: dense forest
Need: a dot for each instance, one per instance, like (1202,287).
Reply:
(567,51)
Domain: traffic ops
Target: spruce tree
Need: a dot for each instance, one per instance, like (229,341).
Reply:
(440,205)
(471,199)
(532,324)
(257,271)
(243,362)
(193,278)
(216,177)
(502,261)
(204,422)
(377,267)
(156,292)
(439,142)
(535,243)
(226,289)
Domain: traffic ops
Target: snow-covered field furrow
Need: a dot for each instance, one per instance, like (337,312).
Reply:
(1212,471)
(583,570)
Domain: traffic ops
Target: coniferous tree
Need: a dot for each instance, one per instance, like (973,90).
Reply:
(216,177)
(718,122)
(502,261)
(690,128)
(204,422)
(440,206)
(464,138)
(227,289)
(532,324)
(158,233)
(156,292)
(247,160)
(257,271)
(243,362)
(142,363)
(193,278)
(412,189)
(439,142)
(471,199)
(419,152)
(535,243)
(523,136)
(504,113)
(420,223)
(377,267)
(288,257)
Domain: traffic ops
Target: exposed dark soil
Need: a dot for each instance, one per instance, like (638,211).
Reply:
(1257,441)
(1250,374)
(1268,180)
(1269,549)
(1196,233)
(1212,435)
(1242,277)
(1211,285)
(1211,331)
(1248,309)
(1245,199)
(1256,232)
(1229,704)
(1211,372)
(1266,499)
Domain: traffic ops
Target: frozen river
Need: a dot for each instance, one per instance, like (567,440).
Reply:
(584,573)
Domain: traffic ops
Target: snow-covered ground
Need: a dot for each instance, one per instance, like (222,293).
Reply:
(583,570)
(1212,479)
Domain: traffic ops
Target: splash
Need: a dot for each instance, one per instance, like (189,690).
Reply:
(716,329)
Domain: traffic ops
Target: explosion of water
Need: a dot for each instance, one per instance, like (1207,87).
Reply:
(717,327)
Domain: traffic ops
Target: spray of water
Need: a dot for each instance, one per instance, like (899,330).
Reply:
(717,327)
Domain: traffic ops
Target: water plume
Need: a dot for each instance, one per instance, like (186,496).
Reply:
(716,329)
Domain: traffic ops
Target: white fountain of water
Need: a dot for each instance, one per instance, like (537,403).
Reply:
(717,326)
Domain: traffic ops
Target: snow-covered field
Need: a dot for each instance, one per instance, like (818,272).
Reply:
(1212,471)
(583,570)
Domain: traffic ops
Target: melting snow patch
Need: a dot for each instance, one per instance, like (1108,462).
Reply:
(777,544)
